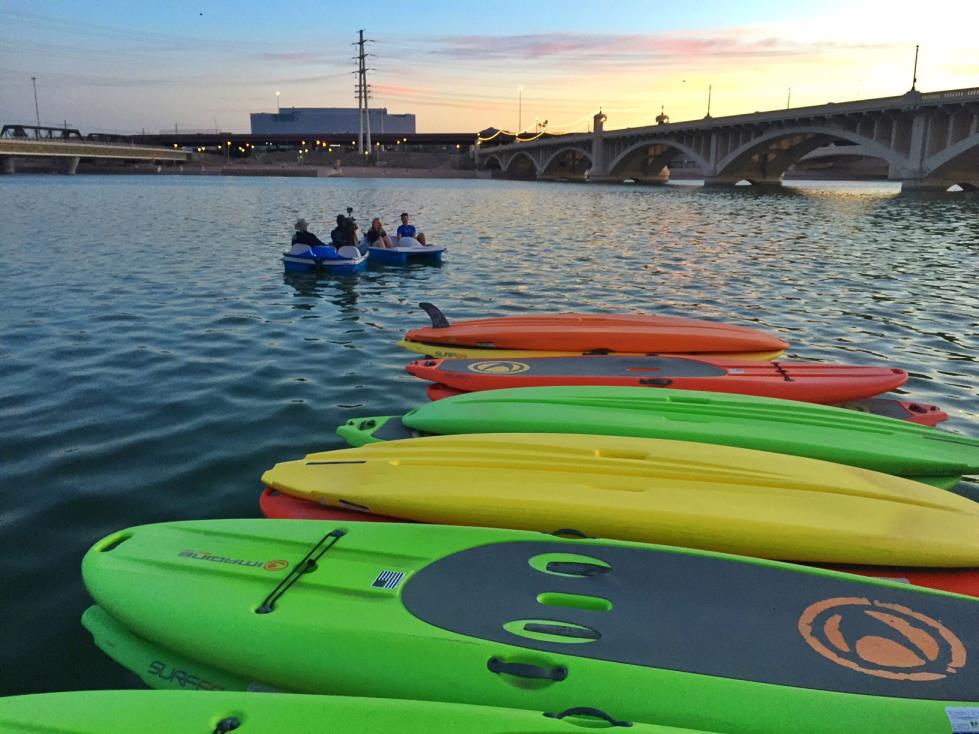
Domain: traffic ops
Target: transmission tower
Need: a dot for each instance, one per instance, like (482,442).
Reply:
(363,92)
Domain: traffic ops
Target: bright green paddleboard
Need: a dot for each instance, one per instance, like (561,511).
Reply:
(528,620)
(157,666)
(765,424)
(169,712)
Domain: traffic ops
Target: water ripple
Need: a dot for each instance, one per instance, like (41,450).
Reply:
(155,359)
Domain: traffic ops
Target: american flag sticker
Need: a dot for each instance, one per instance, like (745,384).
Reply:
(388,579)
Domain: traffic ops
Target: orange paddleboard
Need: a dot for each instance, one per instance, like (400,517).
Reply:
(596,333)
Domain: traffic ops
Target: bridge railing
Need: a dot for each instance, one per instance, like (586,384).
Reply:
(952,94)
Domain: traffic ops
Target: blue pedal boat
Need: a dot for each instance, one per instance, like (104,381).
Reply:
(409,250)
(324,259)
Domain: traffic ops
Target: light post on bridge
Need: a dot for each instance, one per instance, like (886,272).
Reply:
(37,114)
(278,109)
(519,109)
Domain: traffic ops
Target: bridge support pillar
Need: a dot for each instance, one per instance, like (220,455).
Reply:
(599,166)
(73,165)
(7,164)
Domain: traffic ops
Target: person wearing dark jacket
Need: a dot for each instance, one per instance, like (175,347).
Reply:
(304,237)
(345,232)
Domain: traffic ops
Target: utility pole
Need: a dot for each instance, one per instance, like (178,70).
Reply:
(914,75)
(363,93)
(37,114)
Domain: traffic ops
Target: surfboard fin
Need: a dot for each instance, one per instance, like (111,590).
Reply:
(438,318)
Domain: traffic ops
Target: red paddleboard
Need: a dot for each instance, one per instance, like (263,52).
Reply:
(957,580)
(437,391)
(809,382)
(923,413)
(278,505)
(600,333)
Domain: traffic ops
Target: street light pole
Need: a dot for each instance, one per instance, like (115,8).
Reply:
(710,89)
(914,76)
(788,100)
(278,109)
(519,109)
(37,114)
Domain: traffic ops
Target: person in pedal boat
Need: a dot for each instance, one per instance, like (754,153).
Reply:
(376,236)
(302,240)
(408,230)
(345,233)
(304,236)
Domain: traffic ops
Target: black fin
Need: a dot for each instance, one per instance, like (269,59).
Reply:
(438,318)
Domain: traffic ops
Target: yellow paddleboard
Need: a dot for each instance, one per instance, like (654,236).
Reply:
(693,495)
(450,351)
(672,492)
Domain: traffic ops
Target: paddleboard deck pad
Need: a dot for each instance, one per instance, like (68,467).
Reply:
(517,619)
(810,382)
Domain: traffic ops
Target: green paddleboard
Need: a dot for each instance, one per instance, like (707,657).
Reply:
(170,712)
(822,432)
(157,666)
(527,620)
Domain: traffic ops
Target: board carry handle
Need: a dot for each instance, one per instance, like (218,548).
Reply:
(228,724)
(574,533)
(439,321)
(657,381)
(573,568)
(589,711)
(526,670)
(563,630)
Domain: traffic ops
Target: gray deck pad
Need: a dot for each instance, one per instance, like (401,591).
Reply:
(610,366)
(393,429)
(711,616)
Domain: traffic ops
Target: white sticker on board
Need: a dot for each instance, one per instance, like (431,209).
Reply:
(964,720)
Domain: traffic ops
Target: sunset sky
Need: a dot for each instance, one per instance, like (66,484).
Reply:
(147,64)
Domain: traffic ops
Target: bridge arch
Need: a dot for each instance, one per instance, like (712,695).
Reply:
(549,162)
(492,163)
(961,156)
(751,160)
(621,161)
(521,165)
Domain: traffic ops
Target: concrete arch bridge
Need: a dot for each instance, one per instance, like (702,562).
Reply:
(929,141)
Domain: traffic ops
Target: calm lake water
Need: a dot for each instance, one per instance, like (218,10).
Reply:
(154,359)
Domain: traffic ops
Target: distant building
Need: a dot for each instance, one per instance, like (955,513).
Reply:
(328,120)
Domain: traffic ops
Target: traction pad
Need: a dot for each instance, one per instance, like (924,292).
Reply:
(713,616)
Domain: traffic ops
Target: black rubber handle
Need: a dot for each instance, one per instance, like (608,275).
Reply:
(563,630)
(588,711)
(526,670)
(573,568)
(569,531)
(658,381)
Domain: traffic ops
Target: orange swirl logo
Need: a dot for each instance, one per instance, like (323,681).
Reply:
(881,639)
(499,367)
